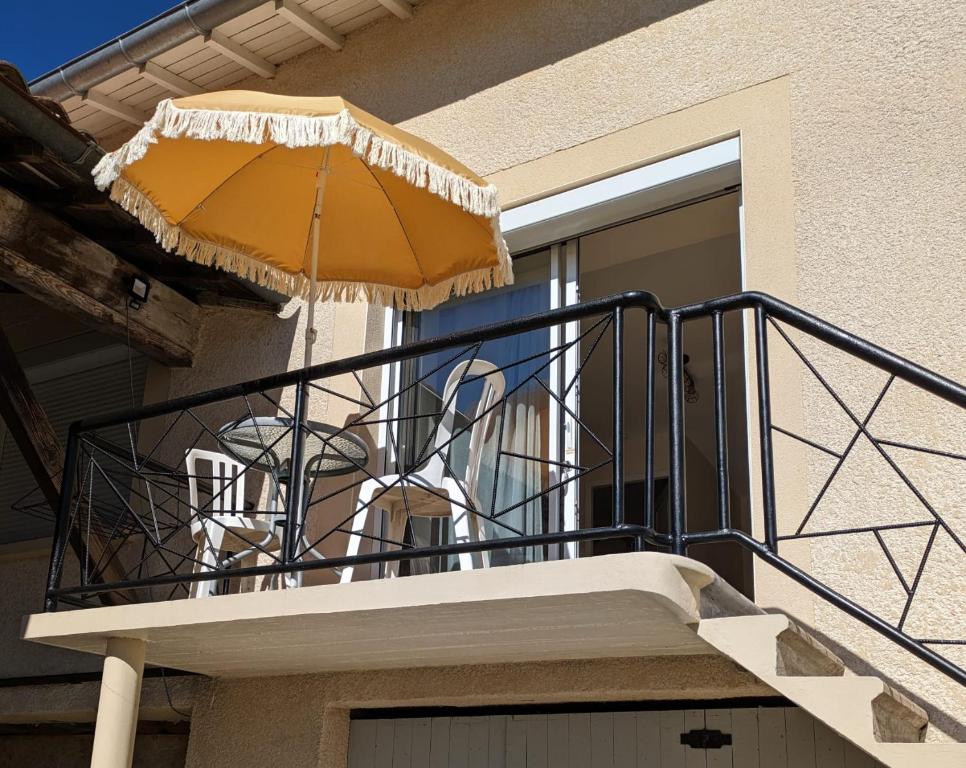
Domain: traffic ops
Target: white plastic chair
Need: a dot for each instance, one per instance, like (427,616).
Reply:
(224,525)
(423,488)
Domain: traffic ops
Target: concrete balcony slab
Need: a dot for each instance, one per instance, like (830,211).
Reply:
(635,604)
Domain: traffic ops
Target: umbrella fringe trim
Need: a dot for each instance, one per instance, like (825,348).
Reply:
(172,238)
(169,121)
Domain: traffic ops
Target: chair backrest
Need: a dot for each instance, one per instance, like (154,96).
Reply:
(494,385)
(227,482)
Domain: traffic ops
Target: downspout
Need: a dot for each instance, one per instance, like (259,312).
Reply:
(154,37)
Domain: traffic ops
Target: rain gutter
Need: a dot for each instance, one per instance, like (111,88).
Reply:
(150,39)
(31,119)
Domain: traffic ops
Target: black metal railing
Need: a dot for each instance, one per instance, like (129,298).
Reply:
(457,463)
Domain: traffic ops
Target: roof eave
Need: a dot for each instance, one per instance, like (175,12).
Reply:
(154,37)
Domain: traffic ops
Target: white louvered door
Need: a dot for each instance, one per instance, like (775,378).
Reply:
(772,737)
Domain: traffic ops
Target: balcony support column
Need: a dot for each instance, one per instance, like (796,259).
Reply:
(117,709)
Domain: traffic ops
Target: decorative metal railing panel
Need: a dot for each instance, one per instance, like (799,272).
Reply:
(843,568)
(456,465)
(243,483)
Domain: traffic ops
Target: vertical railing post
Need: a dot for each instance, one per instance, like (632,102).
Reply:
(764,426)
(676,466)
(721,421)
(61,522)
(649,422)
(618,454)
(296,472)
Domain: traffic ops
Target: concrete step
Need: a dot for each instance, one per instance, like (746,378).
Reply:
(865,710)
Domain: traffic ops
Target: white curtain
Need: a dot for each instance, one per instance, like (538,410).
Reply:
(519,478)
(522,357)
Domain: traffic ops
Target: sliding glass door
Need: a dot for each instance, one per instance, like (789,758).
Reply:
(671,227)
(514,467)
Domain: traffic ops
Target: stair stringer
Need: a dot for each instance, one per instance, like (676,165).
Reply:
(861,709)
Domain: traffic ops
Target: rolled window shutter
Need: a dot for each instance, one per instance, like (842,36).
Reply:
(65,398)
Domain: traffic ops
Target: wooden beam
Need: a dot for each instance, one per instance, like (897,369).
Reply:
(114,107)
(400,8)
(45,258)
(238,53)
(74,197)
(169,80)
(20,149)
(212,299)
(27,423)
(310,24)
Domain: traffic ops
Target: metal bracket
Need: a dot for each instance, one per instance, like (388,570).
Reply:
(705,739)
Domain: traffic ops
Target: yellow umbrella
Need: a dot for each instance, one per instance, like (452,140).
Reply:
(250,182)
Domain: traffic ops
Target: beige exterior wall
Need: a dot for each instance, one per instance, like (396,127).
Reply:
(303,722)
(23,579)
(850,121)
(237,345)
(850,117)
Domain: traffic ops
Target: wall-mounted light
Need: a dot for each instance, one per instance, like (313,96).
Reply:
(137,291)
(690,390)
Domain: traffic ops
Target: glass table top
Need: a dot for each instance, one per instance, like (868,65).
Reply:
(265,443)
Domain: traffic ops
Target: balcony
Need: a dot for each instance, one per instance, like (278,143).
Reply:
(636,604)
(239,533)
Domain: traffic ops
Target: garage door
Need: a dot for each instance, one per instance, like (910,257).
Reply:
(766,737)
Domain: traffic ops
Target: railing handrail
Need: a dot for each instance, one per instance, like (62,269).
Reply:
(834,336)
(831,334)
(628,299)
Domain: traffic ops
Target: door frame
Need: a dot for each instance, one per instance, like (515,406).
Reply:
(622,197)
(558,221)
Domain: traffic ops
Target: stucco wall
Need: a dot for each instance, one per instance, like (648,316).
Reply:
(879,165)
(303,721)
(236,345)
(23,578)
(854,177)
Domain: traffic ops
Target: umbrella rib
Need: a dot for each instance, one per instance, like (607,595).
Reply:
(399,220)
(224,181)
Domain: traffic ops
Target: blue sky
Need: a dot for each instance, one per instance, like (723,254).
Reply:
(38,35)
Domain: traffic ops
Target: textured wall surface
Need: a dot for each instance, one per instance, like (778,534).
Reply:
(22,582)
(303,721)
(875,97)
(879,157)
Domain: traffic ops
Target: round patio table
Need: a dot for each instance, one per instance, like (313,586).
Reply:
(265,443)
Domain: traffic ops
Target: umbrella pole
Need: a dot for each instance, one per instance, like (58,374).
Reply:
(295,579)
(310,333)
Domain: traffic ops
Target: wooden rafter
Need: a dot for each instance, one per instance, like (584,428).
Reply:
(239,53)
(112,106)
(47,259)
(311,25)
(400,8)
(169,80)
(213,299)
(27,422)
